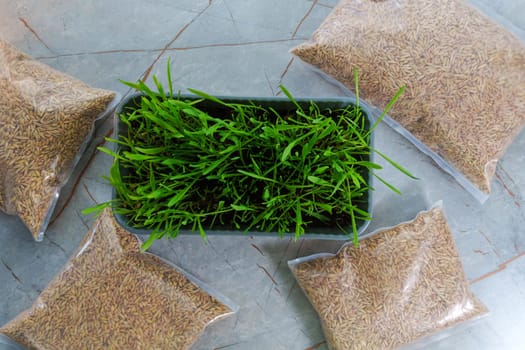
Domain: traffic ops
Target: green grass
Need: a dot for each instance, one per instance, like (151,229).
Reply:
(244,167)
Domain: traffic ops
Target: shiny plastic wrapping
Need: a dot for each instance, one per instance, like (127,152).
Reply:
(464,74)
(400,285)
(110,295)
(46,121)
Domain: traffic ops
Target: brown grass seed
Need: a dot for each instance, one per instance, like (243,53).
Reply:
(465,74)
(110,295)
(45,117)
(399,285)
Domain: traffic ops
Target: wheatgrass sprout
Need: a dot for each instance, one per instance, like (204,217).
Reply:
(240,166)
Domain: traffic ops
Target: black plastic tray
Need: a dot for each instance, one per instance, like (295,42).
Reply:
(280,104)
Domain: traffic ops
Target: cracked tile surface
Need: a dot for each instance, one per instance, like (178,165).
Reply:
(239,47)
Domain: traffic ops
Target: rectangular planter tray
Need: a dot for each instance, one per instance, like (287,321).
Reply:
(280,104)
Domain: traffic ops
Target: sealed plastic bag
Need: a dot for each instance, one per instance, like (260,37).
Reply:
(110,295)
(465,77)
(46,121)
(399,285)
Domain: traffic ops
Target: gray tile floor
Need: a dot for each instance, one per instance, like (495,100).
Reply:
(240,47)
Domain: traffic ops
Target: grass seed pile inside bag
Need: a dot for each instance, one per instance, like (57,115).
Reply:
(110,295)
(465,75)
(45,119)
(399,285)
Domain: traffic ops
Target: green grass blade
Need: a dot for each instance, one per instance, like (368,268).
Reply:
(356,82)
(287,151)
(387,184)
(208,97)
(255,176)
(109,152)
(97,209)
(170,81)
(387,108)
(318,181)
(396,165)
(291,98)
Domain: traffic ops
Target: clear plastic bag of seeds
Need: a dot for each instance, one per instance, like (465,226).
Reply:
(463,72)
(111,295)
(47,120)
(401,285)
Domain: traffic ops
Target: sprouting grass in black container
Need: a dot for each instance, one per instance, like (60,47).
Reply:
(203,163)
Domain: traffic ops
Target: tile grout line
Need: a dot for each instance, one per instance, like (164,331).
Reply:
(102,52)
(316,346)
(246,43)
(146,73)
(283,74)
(186,48)
(304,19)
(11,271)
(500,268)
(26,24)
(294,34)
(326,5)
